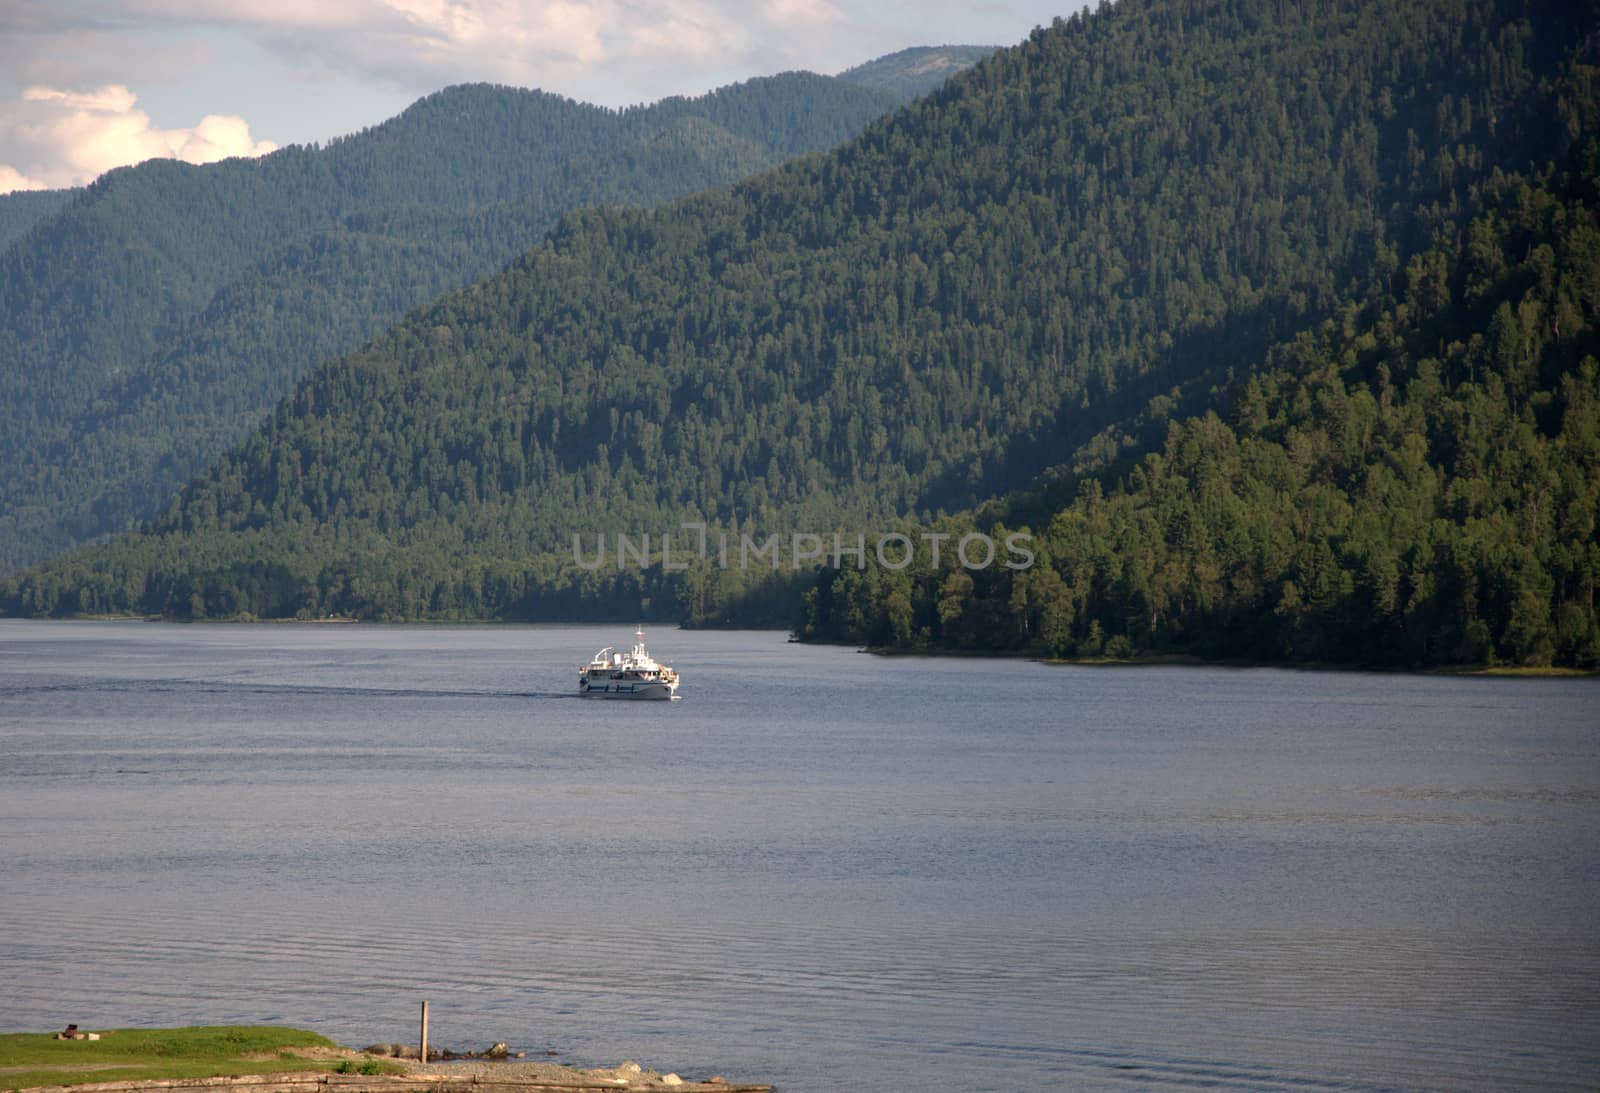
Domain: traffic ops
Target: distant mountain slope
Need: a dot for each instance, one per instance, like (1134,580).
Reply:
(22,209)
(916,71)
(1129,207)
(155,319)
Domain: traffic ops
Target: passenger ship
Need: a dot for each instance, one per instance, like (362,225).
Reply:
(627,675)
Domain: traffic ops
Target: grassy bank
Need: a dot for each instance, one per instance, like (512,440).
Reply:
(30,1059)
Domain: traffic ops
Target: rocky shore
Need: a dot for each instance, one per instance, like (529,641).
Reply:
(498,1066)
(514,1075)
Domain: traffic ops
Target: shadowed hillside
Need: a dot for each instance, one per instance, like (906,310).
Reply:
(1109,225)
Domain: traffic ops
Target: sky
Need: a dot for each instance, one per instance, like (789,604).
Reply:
(88,85)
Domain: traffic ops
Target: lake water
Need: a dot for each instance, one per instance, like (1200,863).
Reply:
(823,869)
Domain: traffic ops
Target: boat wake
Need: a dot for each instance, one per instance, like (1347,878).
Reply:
(220,687)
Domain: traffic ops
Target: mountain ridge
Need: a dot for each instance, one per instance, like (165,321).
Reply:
(103,297)
(1128,205)
(917,70)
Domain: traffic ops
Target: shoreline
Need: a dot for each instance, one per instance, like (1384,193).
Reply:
(245,1058)
(1190,660)
(517,1077)
(1150,660)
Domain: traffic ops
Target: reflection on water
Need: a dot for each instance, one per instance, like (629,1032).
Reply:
(824,869)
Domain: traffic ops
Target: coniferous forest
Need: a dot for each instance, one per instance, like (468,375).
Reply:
(1273,324)
(1414,482)
(22,209)
(150,321)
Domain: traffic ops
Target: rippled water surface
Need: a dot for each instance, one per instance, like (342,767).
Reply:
(821,869)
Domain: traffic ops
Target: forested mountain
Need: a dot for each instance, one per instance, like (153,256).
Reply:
(915,71)
(154,320)
(1416,482)
(1107,226)
(21,210)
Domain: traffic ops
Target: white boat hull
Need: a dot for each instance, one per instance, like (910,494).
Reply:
(647,690)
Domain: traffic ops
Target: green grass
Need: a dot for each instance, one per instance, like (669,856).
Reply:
(29,1059)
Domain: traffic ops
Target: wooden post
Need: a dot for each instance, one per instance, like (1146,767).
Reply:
(422,1051)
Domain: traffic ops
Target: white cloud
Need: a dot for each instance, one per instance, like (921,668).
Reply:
(66,137)
(13,179)
(803,14)
(216,137)
(310,69)
(610,51)
(114,99)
